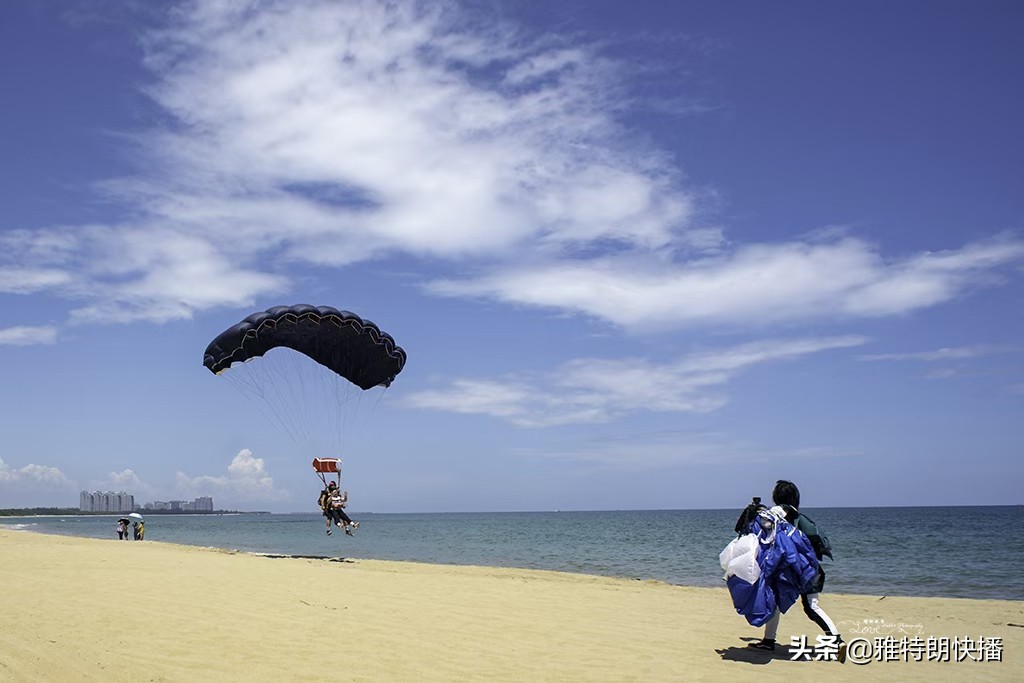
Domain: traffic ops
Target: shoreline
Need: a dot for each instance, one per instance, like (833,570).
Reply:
(19,528)
(82,608)
(582,575)
(512,512)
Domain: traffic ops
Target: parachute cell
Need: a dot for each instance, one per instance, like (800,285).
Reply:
(341,341)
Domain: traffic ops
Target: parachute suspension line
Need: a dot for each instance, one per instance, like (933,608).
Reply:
(259,375)
(245,382)
(321,413)
(285,365)
(357,412)
(332,395)
(292,377)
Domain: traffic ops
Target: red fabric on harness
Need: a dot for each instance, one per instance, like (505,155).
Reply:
(326,465)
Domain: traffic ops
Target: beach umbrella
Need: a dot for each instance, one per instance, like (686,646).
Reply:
(136,516)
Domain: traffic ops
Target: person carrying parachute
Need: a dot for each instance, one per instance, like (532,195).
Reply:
(768,567)
(775,561)
(308,367)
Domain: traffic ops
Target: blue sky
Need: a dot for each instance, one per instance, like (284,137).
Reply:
(641,255)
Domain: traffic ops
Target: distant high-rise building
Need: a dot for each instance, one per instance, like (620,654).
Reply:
(200,504)
(106,501)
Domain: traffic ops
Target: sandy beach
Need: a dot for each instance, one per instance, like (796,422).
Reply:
(74,609)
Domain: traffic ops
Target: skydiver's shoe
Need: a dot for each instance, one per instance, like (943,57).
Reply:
(328,532)
(355,525)
(348,532)
(766,644)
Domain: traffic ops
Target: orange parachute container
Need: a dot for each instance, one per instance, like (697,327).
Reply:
(325,465)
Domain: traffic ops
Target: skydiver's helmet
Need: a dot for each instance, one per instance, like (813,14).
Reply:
(332,486)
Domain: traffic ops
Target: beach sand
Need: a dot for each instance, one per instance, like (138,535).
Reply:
(74,609)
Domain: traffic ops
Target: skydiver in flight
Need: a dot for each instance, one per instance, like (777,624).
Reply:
(333,502)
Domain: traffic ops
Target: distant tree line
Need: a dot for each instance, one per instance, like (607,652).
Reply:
(29,512)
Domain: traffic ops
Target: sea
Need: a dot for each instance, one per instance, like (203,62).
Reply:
(966,552)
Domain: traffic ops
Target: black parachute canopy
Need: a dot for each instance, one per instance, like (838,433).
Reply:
(341,341)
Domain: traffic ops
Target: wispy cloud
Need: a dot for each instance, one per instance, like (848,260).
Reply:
(246,480)
(15,280)
(642,452)
(318,132)
(751,284)
(943,354)
(27,336)
(600,390)
(311,131)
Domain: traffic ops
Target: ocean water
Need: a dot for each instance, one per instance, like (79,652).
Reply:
(970,552)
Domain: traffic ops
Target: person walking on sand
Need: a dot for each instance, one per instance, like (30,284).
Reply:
(786,495)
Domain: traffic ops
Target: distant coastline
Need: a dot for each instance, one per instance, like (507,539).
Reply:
(67,512)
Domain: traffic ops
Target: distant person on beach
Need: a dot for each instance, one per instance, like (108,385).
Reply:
(142,530)
(333,502)
(121,529)
(787,497)
(138,530)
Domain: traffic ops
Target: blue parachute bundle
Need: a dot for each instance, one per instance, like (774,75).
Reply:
(787,567)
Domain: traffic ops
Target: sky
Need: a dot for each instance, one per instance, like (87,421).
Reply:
(640,255)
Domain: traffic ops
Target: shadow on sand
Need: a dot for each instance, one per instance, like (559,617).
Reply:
(752,656)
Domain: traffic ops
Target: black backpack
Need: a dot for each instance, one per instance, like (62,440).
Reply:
(748,515)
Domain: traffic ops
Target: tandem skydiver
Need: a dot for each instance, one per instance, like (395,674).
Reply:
(333,501)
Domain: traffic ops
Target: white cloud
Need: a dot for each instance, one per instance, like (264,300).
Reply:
(246,480)
(14,280)
(644,452)
(311,131)
(334,133)
(943,354)
(753,284)
(27,335)
(126,480)
(34,475)
(598,390)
